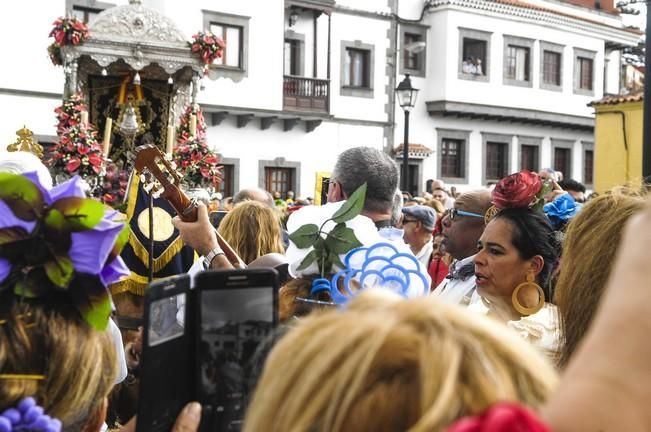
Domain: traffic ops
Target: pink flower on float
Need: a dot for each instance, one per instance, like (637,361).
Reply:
(82,149)
(95,160)
(73,164)
(205,172)
(211,159)
(196,157)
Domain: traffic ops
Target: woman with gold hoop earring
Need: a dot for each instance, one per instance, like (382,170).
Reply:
(515,259)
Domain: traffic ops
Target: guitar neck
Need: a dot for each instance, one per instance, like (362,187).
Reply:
(187,210)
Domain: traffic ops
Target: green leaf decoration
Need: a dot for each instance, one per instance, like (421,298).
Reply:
(91,299)
(540,196)
(305,236)
(97,316)
(54,220)
(60,271)
(334,259)
(22,289)
(81,214)
(120,241)
(12,235)
(21,195)
(341,239)
(309,259)
(352,207)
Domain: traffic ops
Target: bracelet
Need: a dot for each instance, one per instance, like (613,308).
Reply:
(211,255)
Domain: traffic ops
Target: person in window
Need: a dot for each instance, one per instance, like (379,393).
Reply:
(468,66)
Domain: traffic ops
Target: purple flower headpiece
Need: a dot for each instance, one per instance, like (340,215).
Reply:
(27,416)
(58,241)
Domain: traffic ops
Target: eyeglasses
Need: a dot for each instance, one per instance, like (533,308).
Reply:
(453,213)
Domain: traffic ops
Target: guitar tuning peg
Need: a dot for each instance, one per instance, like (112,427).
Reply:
(173,165)
(157,193)
(148,187)
(143,178)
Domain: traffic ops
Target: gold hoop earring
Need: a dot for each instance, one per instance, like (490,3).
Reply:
(541,297)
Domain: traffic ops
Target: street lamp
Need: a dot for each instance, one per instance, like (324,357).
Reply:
(407,100)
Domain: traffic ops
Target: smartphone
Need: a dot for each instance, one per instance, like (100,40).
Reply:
(167,362)
(237,310)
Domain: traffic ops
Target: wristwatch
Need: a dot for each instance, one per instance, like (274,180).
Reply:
(211,255)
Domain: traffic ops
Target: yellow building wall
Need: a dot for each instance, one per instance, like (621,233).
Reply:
(614,165)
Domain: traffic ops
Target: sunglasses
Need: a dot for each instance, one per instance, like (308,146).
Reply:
(453,213)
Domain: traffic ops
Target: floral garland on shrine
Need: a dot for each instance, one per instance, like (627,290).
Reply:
(78,152)
(196,161)
(66,31)
(183,133)
(69,113)
(209,46)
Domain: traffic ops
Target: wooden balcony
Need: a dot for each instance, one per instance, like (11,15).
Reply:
(306,94)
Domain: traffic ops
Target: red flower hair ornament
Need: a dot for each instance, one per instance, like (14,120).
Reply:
(501,417)
(520,190)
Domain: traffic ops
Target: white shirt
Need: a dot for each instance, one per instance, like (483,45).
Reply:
(541,329)
(457,291)
(119,351)
(425,253)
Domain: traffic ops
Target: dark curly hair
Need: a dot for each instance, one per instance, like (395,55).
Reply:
(533,235)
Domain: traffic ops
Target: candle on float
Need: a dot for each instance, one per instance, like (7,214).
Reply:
(84,118)
(171,133)
(193,125)
(107,137)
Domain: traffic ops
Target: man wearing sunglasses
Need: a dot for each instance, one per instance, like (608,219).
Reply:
(462,226)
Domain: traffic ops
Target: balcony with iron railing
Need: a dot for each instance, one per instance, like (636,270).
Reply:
(306,94)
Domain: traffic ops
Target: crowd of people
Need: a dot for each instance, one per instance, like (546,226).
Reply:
(521,306)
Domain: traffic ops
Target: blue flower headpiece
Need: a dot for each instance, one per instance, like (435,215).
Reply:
(561,210)
(58,241)
(27,416)
(378,266)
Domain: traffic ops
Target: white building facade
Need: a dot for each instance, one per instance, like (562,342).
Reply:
(303,80)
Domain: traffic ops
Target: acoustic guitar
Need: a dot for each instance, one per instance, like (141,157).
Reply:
(161,179)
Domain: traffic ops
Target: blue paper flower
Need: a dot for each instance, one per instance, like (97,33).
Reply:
(378,266)
(562,209)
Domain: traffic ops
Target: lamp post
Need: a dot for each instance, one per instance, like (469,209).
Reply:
(407,100)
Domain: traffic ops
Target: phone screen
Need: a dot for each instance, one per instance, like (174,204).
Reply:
(234,322)
(166,371)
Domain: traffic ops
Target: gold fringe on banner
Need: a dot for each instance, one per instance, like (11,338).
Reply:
(134,284)
(163,259)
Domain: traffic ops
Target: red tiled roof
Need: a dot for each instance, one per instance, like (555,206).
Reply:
(617,99)
(525,5)
(414,148)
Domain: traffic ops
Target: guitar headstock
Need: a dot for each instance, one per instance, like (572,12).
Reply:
(160,178)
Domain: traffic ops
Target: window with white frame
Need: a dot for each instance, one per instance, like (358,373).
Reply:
(232,37)
(517,61)
(357,69)
(234,31)
(413,50)
(474,54)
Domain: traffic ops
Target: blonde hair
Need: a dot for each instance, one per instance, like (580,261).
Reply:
(437,205)
(48,337)
(589,249)
(386,365)
(252,229)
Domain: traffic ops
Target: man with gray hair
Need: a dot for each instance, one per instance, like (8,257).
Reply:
(360,165)
(254,194)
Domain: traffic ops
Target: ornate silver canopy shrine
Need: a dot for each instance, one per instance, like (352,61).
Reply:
(132,38)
